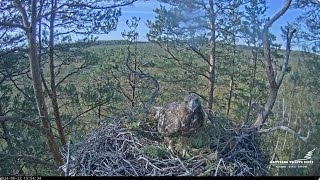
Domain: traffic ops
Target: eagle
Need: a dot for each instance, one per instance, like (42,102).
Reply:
(180,119)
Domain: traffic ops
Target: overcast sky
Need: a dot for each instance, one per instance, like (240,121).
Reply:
(144,9)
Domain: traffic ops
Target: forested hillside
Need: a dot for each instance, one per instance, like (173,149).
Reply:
(261,98)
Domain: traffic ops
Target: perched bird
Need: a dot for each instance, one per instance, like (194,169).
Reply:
(180,118)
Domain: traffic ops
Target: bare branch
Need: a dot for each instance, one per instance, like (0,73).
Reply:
(4,33)
(68,158)
(83,65)
(44,82)
(26,95)
(120,88)
(266,45)
(142,75)
(278,15)
(88,110)
(199,53)
(156,88)
(295,134)
(23,13)
(273,84)
(40,8)
(12,25)
(24,121)
(101,7)
(13,50)
(216,173)
(2,80)
(287,54)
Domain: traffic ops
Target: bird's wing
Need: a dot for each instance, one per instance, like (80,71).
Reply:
(169,122)
(186,117)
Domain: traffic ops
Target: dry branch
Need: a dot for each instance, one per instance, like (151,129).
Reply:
(295,134)
(274,85)
(141,74)
(22,120)
(114,150)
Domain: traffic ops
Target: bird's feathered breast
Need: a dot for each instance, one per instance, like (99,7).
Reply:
(178,119)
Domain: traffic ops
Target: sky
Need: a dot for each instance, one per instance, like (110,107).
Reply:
(144,10)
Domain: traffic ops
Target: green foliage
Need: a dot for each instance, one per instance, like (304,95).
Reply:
(206,137)
(154,151)
(134,125)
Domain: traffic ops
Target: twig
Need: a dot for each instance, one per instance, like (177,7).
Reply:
(68,158)
(217,168)
(25,121)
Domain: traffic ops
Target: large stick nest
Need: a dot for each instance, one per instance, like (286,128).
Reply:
(114,149)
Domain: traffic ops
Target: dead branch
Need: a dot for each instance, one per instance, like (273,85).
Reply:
(217,168)
(25,95)
(12,25)
(77,70)
(197,51)
(68,158)
(278,15)
(82,113)
(143,75)
(274,85)
(289,35)
(120,89)
(24,121)
(13,50)
(295,134)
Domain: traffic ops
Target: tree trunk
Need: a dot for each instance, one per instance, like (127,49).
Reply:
(100,99)
(134,77)
(54,100)
(273,84)
(31,31)
(42,109)
(230,94)
(231,85)
(212,55)
(253,83)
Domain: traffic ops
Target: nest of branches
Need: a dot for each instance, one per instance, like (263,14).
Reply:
(115,149)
